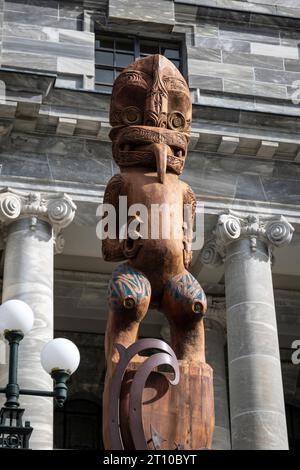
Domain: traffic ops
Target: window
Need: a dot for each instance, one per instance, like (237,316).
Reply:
(113,54)
(78,425)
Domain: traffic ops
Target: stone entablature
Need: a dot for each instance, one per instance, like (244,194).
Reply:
(31,103)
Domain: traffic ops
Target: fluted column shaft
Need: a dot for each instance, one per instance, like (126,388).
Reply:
(32,229)
(28,276)
(215,340)
(256,393)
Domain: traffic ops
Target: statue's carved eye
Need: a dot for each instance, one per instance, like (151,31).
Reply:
(176,120)
(132,115)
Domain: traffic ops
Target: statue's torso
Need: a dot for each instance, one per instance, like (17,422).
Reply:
(160,258)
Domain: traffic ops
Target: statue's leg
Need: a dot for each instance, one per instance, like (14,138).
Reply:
(129,295)
(184,304)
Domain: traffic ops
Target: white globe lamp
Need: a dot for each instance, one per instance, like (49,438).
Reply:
(60,354)
(16,315)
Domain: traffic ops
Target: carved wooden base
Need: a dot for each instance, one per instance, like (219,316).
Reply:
(180,416)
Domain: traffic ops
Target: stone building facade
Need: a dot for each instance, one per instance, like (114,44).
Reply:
(241,60)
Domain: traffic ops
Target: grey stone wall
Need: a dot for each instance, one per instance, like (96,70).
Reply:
(250,180)
(271,7)
(238,55)
(283,7)
(47,36)
(1,23)
(47,159)
(243,57)
(160,11)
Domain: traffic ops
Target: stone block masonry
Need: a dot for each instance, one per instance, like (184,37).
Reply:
(48,37)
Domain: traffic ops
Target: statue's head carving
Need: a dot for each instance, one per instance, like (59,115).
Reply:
(151,114)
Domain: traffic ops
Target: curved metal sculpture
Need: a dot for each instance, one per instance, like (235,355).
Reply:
(150,115)
(165,357)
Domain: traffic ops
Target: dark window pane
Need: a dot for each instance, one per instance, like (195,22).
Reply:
(122,60)
(82,432)
(147,48)
(114,54)
(104,58)
(105,88)
(104,76)
(81,406)
(170,53)
(79,424)
(106,43)
(176,63)
(125,45)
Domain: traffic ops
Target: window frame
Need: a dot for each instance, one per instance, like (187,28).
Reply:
(135,52)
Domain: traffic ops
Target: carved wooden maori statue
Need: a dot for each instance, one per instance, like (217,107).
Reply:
(151,118)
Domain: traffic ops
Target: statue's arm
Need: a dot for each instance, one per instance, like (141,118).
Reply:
(112,249)
(189,198)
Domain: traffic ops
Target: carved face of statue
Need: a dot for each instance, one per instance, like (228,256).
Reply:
(151,116)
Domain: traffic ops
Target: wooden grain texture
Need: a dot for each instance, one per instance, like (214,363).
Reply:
(181,414)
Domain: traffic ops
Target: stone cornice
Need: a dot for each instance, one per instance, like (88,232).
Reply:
(231,226)
(56,209)
(49,110)
(95,4)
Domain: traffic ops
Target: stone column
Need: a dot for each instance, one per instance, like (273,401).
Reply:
(3,343)
(215,340)
(32,226)
(256,393)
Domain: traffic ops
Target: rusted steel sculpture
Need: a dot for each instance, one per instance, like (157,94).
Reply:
(151,118)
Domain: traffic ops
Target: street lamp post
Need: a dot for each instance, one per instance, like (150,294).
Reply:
(59,357)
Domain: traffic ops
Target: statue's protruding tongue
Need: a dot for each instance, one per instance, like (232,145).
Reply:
(161,153)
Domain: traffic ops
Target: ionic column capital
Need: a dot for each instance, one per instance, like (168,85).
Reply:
(273,231)
(56,209)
